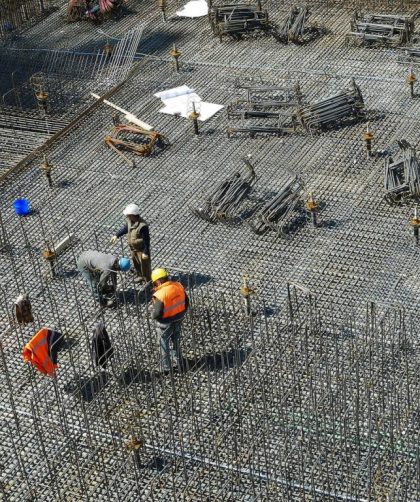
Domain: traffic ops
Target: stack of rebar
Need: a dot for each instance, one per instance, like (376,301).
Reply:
(402,177)
(274,214)
(266,109)
(294,26)
(347,104)
(380,29)
(238,19)
(412,54)
(224,202)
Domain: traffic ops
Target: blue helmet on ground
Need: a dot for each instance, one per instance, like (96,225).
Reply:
(124,264)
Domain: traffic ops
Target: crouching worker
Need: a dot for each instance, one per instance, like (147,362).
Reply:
(100,272)
(170,303)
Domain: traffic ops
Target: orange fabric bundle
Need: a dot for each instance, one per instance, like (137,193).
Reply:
(37,352)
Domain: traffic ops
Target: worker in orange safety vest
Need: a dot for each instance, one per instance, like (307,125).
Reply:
(170,303)
(42,349)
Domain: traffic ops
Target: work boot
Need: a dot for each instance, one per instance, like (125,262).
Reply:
(110,302)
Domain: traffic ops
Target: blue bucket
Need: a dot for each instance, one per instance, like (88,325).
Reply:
(21,207)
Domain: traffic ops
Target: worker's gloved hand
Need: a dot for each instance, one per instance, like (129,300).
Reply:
(114,239)
(144,256)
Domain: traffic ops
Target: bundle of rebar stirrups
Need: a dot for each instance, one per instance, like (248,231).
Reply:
(277,212)
(348,104)
(239,19)
(281,213)
(389,30)
(402,176)
(122,137)
(236,20)
(223,203)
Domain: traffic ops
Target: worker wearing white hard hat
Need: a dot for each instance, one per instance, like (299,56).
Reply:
(132,209)
(138,239)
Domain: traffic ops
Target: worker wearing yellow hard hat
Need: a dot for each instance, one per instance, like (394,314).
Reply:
(159,273)
(170,303)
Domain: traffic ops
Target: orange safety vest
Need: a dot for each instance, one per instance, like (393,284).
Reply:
(37,352)
(172,295)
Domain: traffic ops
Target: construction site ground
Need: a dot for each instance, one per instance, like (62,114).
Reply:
(361,253)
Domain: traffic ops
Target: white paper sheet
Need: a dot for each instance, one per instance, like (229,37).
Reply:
(205,109)
(175,91)
(182,102)
(195,8)
(178,101)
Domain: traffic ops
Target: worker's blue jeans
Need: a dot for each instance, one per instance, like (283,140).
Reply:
(92,279)
(170,333)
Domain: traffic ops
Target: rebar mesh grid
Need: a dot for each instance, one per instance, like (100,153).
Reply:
(15,15)
(297,404)
(316,395)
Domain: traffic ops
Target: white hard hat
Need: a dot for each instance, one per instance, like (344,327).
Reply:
(132,209)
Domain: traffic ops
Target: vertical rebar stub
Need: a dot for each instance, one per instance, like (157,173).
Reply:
(46,168)
(367,138)
(175,53)
(42,99)
(246,292)
(298,93)
(411,79)
(107,49)
(49,255)
(162,7)
(415,225)
(135,445)
(312,207)
(194,117)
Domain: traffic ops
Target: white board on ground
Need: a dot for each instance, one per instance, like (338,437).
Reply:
(195,8)
(179,101)
(205,109)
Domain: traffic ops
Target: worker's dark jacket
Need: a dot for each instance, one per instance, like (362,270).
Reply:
(99,263)
(23,310)
(55,343)
(101,349)
(138,237)
(163,302)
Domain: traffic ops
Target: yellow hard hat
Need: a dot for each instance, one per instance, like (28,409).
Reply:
(159,273)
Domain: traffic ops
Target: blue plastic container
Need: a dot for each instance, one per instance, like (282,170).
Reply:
(21,207)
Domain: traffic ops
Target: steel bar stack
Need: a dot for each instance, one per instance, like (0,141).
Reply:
(265,109)
(380,29)
(402,177)
(275,213)
(409,54)
(238,19)
(348,104)
(293,27)
(223,205)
